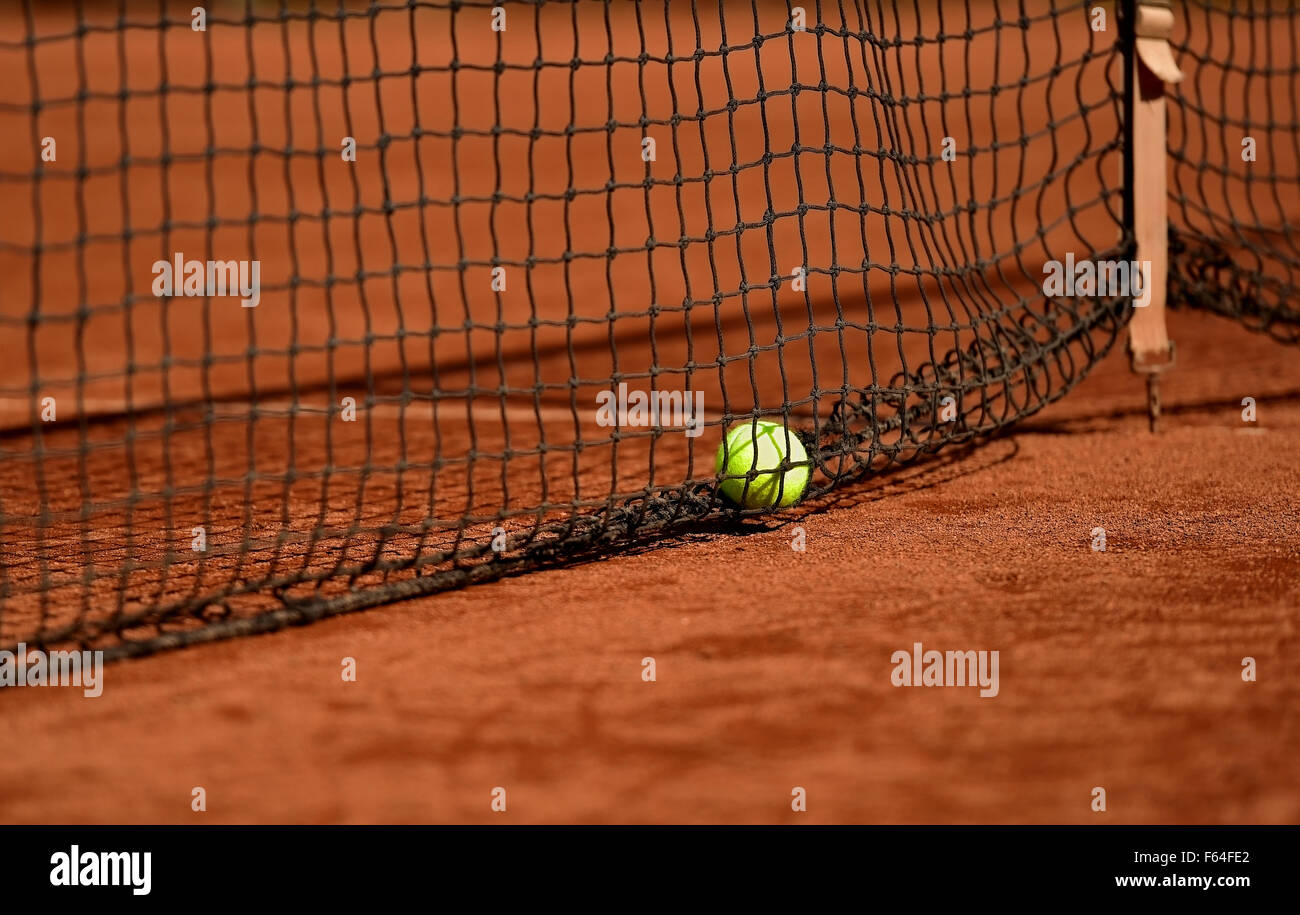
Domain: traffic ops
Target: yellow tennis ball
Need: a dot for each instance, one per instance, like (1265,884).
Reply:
(752,453)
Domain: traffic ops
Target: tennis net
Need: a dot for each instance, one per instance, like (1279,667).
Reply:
(463,229)
(1234,202)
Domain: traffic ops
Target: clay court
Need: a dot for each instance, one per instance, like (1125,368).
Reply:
(1119,668)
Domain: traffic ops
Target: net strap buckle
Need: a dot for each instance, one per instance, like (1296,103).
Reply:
(1147,363)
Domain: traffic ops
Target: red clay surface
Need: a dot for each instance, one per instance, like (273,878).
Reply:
(1118,669)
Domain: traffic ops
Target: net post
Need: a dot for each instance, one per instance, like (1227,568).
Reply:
(1147,25)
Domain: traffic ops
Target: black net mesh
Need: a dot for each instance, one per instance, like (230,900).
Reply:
(843,228)
(1234,145)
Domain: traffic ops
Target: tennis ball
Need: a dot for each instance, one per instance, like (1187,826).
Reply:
(760,446)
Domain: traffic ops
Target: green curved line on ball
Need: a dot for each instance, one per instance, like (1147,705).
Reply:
(760,446)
